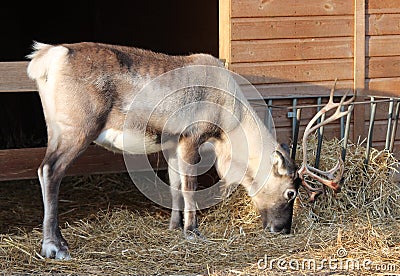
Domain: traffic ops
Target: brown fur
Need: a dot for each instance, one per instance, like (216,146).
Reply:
(93,92)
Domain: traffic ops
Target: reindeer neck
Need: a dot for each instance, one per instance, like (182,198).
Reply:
(244,153)
(261,145)
(261,142)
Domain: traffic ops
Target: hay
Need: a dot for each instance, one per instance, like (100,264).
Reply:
(112,229)
(367,190)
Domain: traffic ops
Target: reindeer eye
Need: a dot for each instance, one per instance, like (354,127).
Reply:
(290,194)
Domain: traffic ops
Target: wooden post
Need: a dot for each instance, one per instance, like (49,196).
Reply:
(359,68)
(225,31)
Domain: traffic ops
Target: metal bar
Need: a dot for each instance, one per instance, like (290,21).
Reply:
(268,116)
(296,133)
(342,124)
(370,130)
(294,104)
(394,130)
(320,134)
(347,132)
(315,105)
(389,124)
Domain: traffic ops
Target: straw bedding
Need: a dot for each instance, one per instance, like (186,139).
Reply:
(113,229)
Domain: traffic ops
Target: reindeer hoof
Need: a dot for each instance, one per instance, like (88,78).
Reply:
(173,225)
(176,221)
(51,250)
(194,234)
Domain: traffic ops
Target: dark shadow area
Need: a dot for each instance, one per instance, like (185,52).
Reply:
(172,27)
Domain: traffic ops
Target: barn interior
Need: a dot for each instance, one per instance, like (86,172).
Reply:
(172,27)
(113,229)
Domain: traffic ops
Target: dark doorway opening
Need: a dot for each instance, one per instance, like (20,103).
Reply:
(172,27)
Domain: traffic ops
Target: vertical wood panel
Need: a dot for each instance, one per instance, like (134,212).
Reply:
(359,67)
(225,30)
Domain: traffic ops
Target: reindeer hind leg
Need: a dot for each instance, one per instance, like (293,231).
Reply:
(62,150)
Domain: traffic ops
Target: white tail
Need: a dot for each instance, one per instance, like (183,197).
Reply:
(42,59)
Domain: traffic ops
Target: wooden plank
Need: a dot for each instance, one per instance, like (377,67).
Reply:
(297,90)
(225,30)
(383,67)
(291,27)
(284,134)
(280,112)
(23,163)
(384,87)
(295,71)
(359,67)
(383,6)
(257,8)
(13,77)
(292,49)
(383,24)
(387,45)
(281,119)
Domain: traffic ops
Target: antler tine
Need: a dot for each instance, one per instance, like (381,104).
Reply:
(349,101)
(332,92)
(330,179)
(331,173)
(312,192)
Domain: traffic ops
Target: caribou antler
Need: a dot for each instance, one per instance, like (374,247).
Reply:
(330,179)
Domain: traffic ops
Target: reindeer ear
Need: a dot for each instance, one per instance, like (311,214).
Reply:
(279,163)
(277,158)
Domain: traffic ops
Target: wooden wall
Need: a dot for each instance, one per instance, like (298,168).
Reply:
(287,48)
(291,48)
(383,46)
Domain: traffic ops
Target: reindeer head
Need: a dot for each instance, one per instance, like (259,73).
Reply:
(275,199)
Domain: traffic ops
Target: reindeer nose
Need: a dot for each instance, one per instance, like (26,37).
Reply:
(277,229)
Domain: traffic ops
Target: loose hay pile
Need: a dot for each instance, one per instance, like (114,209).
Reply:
(360,223)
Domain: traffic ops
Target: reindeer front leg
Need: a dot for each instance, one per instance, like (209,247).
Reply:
(188,157)
(176,221)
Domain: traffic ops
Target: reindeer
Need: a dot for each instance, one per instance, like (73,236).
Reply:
(87,90)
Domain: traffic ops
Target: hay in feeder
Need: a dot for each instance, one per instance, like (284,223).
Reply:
(129,235)
(367,189)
